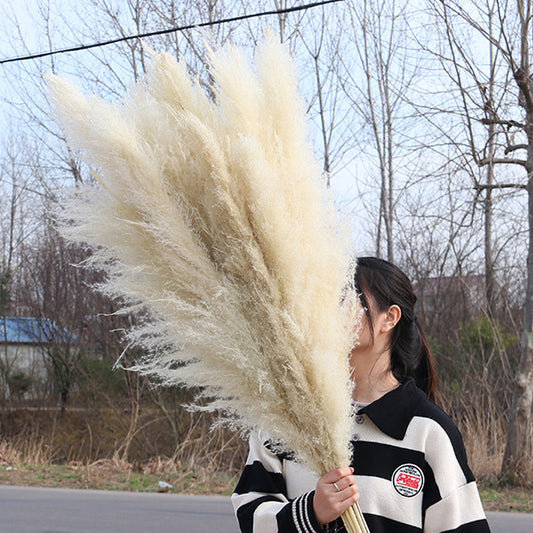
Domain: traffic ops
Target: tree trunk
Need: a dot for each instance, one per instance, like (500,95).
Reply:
(489,264)
(491,114)
(517,454)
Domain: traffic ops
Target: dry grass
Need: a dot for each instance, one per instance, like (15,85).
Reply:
(25,451)
(203,462)
(483,424)
(483,429)
(86,435)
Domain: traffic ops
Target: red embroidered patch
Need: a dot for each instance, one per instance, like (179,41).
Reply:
(408,480)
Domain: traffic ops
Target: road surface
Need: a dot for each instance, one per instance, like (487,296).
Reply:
(36,510)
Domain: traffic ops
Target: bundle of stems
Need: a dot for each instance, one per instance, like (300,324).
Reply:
(211,221)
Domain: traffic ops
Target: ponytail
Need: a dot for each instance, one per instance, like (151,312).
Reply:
(425,376)
(410,353)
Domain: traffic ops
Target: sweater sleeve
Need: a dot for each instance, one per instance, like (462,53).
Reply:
(260,499)
(459,512)
(457,507)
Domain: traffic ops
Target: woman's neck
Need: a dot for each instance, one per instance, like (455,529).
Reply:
(372,375)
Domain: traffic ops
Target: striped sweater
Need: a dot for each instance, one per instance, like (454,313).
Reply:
(410,466)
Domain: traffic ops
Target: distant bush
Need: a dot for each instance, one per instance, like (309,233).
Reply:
(19,384)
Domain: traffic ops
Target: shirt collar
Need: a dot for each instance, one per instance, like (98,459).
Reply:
(393,412)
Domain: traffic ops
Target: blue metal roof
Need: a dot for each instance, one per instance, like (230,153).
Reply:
(27,330)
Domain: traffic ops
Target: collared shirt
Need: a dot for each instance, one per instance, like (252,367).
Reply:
(410,466)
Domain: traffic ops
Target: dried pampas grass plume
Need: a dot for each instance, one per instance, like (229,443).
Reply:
(210,218)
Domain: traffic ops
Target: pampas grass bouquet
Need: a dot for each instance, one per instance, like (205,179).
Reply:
(210,219)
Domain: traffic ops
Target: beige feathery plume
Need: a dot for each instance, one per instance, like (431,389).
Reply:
(211,218)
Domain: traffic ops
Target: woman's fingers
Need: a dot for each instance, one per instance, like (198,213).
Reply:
(335,475)
(344,483)
(348,493)
(335,492)
(345,504)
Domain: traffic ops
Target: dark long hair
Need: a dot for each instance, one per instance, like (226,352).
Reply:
(410,353)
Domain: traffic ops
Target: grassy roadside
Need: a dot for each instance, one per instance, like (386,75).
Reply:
(511,499)
(105,475)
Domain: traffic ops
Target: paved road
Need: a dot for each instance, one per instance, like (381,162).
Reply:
(34,510)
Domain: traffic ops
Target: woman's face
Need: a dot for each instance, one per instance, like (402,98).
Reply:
(365,339)
(383,322)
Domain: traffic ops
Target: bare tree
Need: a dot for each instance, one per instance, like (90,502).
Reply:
(56,295)
(505,30)
(322,42)
(377,85)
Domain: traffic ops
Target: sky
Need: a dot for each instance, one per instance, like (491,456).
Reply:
(354,186)
(348,185)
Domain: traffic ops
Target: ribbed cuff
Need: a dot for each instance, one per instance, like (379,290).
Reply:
(303,514)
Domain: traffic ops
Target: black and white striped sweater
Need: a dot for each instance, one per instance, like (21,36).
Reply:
(410,467)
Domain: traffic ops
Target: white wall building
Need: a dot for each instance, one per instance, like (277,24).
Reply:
(23,346)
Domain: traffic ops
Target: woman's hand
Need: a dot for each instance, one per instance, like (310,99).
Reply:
(335,492)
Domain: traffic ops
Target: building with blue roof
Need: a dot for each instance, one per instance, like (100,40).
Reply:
(24,342)
(28,330)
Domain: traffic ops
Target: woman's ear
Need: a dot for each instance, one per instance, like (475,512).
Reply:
(392,318)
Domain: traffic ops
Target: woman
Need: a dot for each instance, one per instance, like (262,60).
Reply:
(408,457)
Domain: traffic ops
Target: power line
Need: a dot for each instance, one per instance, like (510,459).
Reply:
(170,30)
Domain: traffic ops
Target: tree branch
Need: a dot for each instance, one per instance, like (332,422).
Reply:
(481,187)
(508,123)
(513,147)
(501,161)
